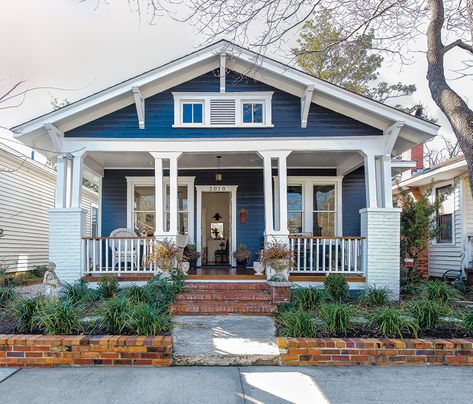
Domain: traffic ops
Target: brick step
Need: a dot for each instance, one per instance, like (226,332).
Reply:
(222,308)
(224,295)
(226,286)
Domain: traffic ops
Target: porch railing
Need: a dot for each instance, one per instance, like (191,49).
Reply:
(327,254)
(117,254)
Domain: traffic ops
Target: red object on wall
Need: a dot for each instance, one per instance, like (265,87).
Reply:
(242,215)
(417,155)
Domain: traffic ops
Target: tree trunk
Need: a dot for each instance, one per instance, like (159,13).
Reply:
(452,105)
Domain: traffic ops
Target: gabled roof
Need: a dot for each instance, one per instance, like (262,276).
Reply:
(241,60)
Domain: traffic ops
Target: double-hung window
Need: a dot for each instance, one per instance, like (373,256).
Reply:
(295,208)
(144,210)
(193,112)
(253,112)
(324,210)
(445,214)
(182,207)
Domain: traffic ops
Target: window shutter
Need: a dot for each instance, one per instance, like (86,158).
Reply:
(222,112)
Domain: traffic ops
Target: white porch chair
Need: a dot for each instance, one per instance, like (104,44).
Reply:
(124,251)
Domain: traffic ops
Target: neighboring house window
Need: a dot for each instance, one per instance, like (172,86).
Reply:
(324,210)
(183,209)
(144,210)
(95,221)
(445,214)
(295,208)
(253,112)
(192,112)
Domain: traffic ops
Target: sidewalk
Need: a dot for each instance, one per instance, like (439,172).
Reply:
(222,385)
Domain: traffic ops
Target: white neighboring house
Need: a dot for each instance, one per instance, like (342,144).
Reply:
(451,251)
(26,193)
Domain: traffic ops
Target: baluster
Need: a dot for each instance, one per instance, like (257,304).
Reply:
(330,255)
(106,254)
(323,255)
(355,258)
(119,255)
(317,254)
(349,254)
(305,254)
(343,254)
(298,254)
(336,254)
(311,254)
(94,248)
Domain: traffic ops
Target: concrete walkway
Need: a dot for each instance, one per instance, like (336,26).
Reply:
(224,340)
(201,385)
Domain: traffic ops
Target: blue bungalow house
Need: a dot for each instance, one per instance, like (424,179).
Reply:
(223,147)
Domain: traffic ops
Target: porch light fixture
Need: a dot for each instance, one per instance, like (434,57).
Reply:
(218,174)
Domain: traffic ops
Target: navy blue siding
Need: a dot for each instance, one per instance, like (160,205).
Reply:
(353,199)
(249,196)
(160,116)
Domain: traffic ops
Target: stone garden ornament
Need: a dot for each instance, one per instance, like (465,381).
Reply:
(51,282)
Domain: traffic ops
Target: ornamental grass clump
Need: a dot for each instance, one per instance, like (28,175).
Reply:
(337,317)
(336,287)
(25,310)
(79,292)
(7,295)
(297,324)
(145,320)
(376,297)
(137,294)
(428,313)
(108,287)
(115,314)
(57,317)
(166,255)
(439,291)
(277,255)
(393,322)
(308,298)
(467,319)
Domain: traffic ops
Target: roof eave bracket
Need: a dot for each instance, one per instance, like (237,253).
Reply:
(390,136)
(56,136)
(305,104)
(140,106)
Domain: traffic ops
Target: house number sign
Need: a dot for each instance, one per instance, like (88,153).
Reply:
(216,188)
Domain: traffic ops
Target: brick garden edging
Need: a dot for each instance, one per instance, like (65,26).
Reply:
(373,351)
(20,350)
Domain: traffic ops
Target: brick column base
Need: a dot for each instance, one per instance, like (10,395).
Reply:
(280,292)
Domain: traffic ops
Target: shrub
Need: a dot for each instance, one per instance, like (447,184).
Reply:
(78,292)
(376,296)
(468,320)
(24,310)
(108,287)
(308,298)
(337,317)
(439,291)
(145,320)
(336,286)
(57,317)
(7,295)
(297,324)
(114,313)
(427,313)
(163,290)
(137,294)
(392,322)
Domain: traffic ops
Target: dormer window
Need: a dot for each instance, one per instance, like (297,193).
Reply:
(223,110)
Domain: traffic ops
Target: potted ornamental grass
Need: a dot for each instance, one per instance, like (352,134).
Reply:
(166,255)
(279,258)
(191,255)
(242,255)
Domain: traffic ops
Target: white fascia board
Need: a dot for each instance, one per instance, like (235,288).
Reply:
(425,178)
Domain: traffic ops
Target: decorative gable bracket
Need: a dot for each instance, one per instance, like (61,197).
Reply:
(56,135)
(391,134)
(140,106)
(305,105)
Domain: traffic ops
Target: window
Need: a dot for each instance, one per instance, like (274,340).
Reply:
(192,112)
(144,210)
(252,112)
(94,219)
(324,210)
(295,209)
(183,209)
(445,214)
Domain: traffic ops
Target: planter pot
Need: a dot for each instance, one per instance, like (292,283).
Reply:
(279,269)
(185,266)
(192,264)
(258,267)
(165,266)
(241,264)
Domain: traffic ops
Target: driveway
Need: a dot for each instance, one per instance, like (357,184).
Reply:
(238,385)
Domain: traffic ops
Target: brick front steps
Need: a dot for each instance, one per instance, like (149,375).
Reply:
(222,298)
(74,350)
(373,351)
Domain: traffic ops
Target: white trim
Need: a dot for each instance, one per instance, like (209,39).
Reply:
(56,136)
(133,181)
(140,106)
(306,101)
(307,183)
(442,184)
(222,72)
(232,189)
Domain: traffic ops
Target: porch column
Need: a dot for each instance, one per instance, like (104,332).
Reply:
(76,183)
(370,181)
(282,174)
(386,178)
(268,193)
(173,195)
(61,182)
(158,198)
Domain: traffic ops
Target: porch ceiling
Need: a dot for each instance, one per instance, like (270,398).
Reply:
(324,159)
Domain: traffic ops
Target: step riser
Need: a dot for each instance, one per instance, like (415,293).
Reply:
(208,309)
(227,286)
(223,297)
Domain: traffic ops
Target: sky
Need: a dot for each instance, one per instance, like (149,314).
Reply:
(82,47)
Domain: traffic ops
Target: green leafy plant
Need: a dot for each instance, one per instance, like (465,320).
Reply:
(439,291)
(115,313)
(428,313)
(24,310)
(57,317)
(242,254)
(297,324)
(376,297)
(78,292)
(308,298)
(337,317)
(7,295)
(145,320)
(392,322)
(468,320)
(336,287)
(108,287)
(411,282)
(137,294)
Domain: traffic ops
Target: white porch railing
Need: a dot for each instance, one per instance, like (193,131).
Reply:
(327,254)
(117,255)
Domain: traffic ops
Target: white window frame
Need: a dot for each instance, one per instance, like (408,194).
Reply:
(192,101)
(453,196)
(303,211)
(132,182)
(264,97)
(308,183)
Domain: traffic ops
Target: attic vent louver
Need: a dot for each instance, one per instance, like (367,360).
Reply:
(222,112)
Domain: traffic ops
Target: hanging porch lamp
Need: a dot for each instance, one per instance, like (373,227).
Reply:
(218,174)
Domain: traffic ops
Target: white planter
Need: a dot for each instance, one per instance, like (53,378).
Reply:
(278,269)
(185,266)
(258,267)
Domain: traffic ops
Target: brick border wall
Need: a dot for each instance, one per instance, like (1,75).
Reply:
(372,351)
(75,350)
